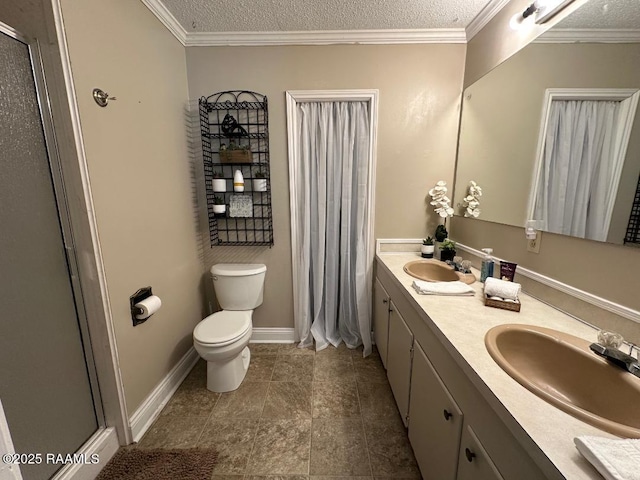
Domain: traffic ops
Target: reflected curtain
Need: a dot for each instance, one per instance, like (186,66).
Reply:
(334,295)
(577,177)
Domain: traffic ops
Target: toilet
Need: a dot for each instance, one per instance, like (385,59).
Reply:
(222,338)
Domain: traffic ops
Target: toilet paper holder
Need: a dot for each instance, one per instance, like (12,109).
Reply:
(140,295)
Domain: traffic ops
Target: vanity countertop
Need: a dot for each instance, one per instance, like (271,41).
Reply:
(549,427)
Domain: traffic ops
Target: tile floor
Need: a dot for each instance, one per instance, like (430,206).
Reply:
(298,415)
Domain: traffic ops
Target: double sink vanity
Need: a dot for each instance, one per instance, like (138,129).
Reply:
(458,372)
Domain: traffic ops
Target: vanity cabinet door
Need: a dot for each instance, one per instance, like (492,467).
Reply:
(381,320)
(435,425)
(399,355)
(474,463)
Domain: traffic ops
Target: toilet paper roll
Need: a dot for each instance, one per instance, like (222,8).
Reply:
(149,306)
(499,288)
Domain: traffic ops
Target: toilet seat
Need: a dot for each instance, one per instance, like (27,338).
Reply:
(222,328)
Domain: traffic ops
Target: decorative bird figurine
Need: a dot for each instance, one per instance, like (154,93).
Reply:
(231,127)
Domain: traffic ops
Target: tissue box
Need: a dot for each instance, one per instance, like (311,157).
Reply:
(490,302)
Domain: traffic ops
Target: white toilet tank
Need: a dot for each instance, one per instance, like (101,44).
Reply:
(239,286)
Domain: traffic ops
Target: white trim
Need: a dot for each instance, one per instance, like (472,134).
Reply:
(299,96)
(629,102)
(151,407)
(273,335)
(486,14)
(588,35)
(326,37)
(103,444)
(163,14)
(120,401)
(587,297)
(395,241)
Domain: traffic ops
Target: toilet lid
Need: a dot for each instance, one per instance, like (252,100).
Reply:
(222,327)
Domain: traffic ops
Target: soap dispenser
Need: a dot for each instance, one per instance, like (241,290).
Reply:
(486,270)
(238,182)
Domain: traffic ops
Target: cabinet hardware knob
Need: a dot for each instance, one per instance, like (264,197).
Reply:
(447,415)
(384,300)
(469,454)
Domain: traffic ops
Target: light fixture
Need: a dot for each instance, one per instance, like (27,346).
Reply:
(546,9)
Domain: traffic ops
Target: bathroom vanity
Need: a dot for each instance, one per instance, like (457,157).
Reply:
(466,418)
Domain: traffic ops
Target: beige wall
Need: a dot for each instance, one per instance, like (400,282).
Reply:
(501,123)
(419,106)
(602,269)
(141,179)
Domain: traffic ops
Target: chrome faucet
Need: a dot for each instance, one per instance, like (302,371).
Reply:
(617,357)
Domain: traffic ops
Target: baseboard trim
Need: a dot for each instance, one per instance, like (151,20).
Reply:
(273,335)
(103,444)
(147,413)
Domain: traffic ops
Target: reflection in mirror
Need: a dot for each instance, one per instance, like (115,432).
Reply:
(581,151)
(504,115)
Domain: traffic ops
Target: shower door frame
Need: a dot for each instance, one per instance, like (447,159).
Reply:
(79,230)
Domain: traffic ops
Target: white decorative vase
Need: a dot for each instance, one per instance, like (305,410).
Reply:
(427,251)
(219,185)
(259,184)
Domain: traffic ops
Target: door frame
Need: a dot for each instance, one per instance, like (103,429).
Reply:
(294,97)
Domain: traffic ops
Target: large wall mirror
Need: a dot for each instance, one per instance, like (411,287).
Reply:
(553,133)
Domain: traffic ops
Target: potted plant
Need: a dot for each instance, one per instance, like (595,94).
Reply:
(260,182)
(219,183)
(427,248)
(447,250)
(235,153)
(219,207)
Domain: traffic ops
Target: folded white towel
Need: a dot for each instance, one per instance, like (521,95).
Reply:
(442,288)
(494,287)
(615,459)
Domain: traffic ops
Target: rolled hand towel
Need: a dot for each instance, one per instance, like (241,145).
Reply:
(615,459)
(442,288)
(500,288)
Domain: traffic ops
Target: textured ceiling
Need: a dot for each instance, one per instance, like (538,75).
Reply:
(303,15)
(605,14)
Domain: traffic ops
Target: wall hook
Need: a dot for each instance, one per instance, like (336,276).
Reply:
(101,97)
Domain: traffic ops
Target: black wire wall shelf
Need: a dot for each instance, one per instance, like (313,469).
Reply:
(232,122)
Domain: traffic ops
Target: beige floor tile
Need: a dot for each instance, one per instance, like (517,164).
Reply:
(293,349)
(322,477)
(276,477)
(338,448)
(246,402)
(233,439)
(281,448)
(191,402)
(197,377)
(335,400)
(370,370)
(377,402)
(390,451)
(293,368)
(334,369)
(261,368)
(173,432)
(227,477)
(288,400)
(258,349)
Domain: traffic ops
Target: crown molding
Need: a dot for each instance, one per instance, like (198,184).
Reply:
(579,35)
(486,14)
(328,37)
(167,19)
